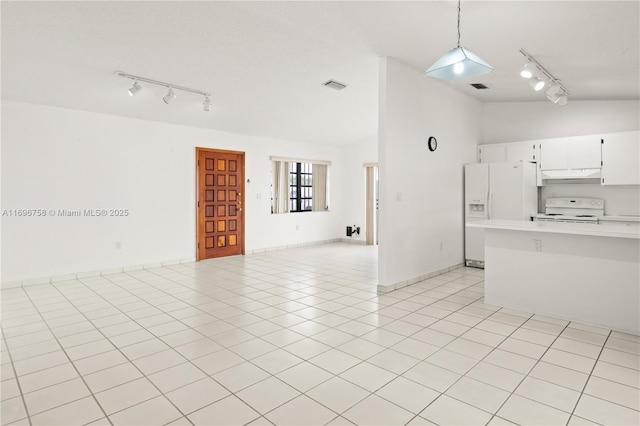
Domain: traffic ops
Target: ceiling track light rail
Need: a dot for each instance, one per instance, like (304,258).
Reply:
(540,79)
(170,88)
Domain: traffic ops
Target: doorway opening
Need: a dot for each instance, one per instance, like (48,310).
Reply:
(372,203)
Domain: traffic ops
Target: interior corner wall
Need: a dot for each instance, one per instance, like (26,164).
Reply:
(353,158)
(421,192)
(55,158)
(522,121)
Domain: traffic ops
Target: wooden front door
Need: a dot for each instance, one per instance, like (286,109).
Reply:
(220,203)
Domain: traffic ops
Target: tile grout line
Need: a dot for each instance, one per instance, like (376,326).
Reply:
(279,284)
(15,373)
(119,350)
(72,364)
(589,377)
(527,375)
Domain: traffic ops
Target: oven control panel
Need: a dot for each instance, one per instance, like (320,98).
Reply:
(576,203)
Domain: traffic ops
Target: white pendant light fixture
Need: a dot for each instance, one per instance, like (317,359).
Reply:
(458,63)
(206,104)
(539,78)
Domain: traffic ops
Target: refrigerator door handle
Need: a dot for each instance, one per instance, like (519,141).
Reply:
(490,206)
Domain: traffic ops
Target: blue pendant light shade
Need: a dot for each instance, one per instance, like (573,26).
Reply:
(458,63)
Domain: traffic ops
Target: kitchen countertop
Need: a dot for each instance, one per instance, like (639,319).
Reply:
(620,218)
(600,230)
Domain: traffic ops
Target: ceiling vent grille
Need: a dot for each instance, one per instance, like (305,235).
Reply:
(479,86)
(334,85)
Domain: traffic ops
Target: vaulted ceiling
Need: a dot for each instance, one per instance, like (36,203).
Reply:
(265,62)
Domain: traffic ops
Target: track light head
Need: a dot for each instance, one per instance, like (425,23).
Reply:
(553,89)
(206,104)
(560,99)
(169,96)
(134,89)
(537,84)
(527,70)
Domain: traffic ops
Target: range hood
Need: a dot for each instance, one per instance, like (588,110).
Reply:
(571,176)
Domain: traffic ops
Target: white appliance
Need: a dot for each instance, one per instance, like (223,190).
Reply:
(573,210)
(496,191)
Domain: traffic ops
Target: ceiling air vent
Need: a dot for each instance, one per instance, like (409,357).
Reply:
(334,85)
(479,86)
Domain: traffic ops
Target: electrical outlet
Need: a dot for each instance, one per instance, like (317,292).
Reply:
(118,245)
(537,244)
(297,227)
(441,246)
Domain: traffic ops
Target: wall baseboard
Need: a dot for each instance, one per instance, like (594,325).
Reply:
(388,288)
(352,241)
(66,277)
(96,273)
(276,248)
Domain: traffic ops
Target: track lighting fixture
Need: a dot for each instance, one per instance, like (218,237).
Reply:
(536,84)
(206,104)
(458,63)
(527,70)
(539,77)
(169,96)
(171,87)
(134,89)
(559,99)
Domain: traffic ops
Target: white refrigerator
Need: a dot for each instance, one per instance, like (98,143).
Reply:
(496,191)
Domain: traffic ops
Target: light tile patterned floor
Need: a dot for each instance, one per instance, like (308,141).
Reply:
(300,337)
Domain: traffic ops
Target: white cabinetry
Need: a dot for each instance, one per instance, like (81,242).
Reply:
(509,152)
(581,152)
(522,151)
(621,158)
(553,155)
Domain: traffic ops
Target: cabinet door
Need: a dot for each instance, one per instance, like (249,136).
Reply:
(584,152)
(621,159)
(492,153)
(553,155)
(521,151)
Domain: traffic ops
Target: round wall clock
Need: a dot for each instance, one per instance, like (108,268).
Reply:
(432,143)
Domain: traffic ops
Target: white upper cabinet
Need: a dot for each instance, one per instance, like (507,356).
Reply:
(509,152)
(621,158)
(522,151)
(581,152)
(496,153)
(553,155)
(584,152)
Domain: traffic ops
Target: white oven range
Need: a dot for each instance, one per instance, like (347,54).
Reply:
(572,210)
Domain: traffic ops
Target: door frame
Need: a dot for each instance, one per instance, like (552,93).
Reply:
(371,203)
(241,197)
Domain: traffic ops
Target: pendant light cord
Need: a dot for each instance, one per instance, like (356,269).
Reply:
(458,23)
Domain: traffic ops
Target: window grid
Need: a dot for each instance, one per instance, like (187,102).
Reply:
(300,187)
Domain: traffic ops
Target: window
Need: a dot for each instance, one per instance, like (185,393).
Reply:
(299,186)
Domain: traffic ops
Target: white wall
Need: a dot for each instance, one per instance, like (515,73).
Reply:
(55,158)
(353,158)
(421,192)
(521,121)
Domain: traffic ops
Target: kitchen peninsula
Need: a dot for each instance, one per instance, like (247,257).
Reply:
(583,272)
